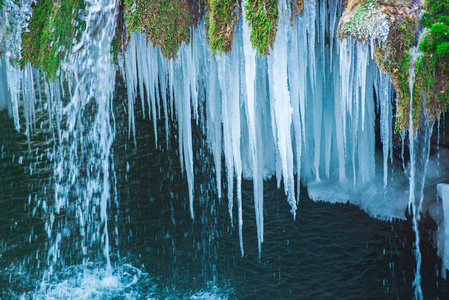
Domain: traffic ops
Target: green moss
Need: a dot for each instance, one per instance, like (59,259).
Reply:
(394,57)
(221,18)
(50,34)
(262,16)
(117,46)
(393,52)
(433,66)
(431,69)
(165,22)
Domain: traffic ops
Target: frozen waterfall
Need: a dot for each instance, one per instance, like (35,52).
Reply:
(307,109)
(305,114)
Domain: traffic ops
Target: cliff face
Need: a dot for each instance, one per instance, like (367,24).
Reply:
(410,40)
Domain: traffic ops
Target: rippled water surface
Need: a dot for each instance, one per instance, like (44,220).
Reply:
(158,251)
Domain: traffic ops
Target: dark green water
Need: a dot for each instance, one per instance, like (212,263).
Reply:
(329,252)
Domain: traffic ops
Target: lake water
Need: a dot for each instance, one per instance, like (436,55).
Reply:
(157,250)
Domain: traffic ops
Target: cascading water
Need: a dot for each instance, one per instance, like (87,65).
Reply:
(85,135)
(419,158)
(79,108)
(306,113)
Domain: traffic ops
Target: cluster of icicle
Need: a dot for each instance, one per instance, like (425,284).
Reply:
(306,109)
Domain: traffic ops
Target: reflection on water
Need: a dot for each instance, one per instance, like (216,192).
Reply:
(330,251)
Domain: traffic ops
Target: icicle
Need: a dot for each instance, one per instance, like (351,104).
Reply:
(227,131)
(28,96)
(234,122)
(317,113)
(214,135)
(339,128)
(366,137)
(250,81)
(302,77)
(142,63)
(193,76)
(443,192)
(131,82)
(263,113)
(13,78)
(333,22)
(344,84)
(310,19)
(362,61)
(322,38)
(327,115)
(282,107)
(383,92)
(187,132)
(293,74)
(5,101)
(14,17)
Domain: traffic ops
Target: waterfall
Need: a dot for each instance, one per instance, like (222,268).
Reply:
(419,143)
(305,115)
(80,104)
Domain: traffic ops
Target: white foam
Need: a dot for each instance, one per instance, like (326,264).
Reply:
(80,282)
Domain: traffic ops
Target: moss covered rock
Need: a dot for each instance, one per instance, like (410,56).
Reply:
(166,23)
(221,19)
(262,16)
(50,34)
(395,29)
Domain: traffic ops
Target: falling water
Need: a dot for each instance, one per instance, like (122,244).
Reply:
(419,157)
(81,107)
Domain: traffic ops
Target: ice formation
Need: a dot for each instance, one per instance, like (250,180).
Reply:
(443,192)
(305,114)
(306,109)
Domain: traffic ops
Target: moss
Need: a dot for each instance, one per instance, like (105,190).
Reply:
(117,46)
(262,16)
(393,52)
(50,34)
(394,56)
(433,65)
(431,68)
(221,18)
(166,23)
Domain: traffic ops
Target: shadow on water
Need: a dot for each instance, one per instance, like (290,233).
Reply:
(329,252)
